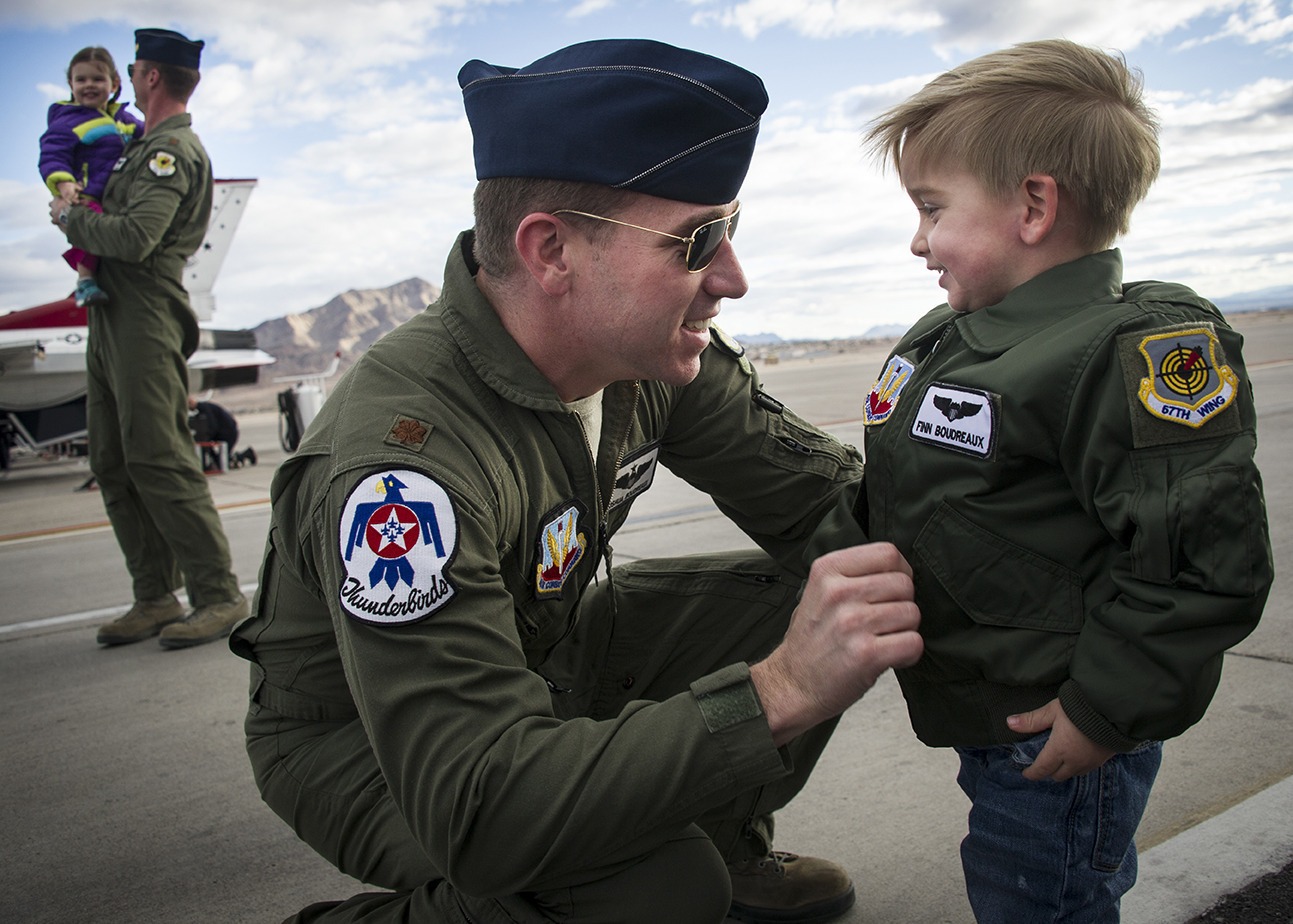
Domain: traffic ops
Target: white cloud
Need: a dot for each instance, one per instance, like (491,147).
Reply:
(1255,23)
(588,8)
(971,26)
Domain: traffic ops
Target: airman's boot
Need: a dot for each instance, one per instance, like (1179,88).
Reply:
(205,624)
(143,620)
(783,888)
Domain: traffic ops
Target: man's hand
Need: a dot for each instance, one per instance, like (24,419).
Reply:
(856,619)
(1068,753)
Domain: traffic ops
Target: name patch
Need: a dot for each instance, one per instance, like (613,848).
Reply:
(963,419)
(398,535)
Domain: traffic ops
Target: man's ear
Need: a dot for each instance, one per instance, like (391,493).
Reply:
(541,242)
(1040,198)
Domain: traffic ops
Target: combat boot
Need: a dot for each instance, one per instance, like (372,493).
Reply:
(143,620)
(783,888)
(205,624)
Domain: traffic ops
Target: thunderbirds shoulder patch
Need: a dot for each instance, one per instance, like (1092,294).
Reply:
(162,164)
(398,535)
(1188,382)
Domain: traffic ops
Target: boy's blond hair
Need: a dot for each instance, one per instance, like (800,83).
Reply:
(1052,107)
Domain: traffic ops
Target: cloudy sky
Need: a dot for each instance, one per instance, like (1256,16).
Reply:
(350,116)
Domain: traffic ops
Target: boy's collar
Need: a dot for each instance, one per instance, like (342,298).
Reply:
(1038,303)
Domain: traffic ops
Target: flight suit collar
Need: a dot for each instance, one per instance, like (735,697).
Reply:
(1042,302)
(180,120)
(475,326)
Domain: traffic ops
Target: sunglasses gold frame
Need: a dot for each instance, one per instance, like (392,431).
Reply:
(727,221)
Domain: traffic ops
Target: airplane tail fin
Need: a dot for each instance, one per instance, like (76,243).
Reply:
(229,201)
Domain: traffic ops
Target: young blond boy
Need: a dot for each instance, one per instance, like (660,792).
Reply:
(1067,463)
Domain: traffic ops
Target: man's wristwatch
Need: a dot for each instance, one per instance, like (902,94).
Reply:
(62,215)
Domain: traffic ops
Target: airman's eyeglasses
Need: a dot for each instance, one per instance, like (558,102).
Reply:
(702,244)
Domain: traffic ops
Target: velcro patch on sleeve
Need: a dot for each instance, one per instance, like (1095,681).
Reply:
(1178,383)
(397,538)
(727,698)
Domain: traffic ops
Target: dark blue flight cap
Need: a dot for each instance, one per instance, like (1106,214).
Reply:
(629,113)
(166,47)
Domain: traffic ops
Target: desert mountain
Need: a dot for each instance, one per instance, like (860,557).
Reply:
(348,324)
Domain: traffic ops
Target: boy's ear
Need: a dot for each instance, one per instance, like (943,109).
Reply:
(541,244)
(1040,196)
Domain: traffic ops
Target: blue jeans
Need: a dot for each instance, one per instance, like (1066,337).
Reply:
(1046,852)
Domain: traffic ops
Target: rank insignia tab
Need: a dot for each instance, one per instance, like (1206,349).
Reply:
(408,432)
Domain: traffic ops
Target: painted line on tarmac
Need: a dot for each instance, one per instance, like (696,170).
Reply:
(100,525)
(72,619)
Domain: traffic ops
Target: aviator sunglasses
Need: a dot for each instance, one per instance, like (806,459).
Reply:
(702,244)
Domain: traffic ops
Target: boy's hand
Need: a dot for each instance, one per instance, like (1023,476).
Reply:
(1068,753)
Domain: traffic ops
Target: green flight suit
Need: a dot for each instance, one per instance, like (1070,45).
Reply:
(156,208)
(447,702)
(1070,474)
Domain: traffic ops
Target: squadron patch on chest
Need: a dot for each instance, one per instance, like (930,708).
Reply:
(398,535)
(1188,381)
(561,546)
(884,394)
(635,474)
(963,419)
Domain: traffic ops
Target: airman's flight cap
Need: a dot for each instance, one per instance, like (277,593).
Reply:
(166,47)
(629,113)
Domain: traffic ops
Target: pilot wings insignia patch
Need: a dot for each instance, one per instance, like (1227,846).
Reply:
(955,410)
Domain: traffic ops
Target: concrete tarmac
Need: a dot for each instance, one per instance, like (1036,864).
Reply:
(128,797)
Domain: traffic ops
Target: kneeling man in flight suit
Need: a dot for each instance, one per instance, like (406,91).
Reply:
(447,701)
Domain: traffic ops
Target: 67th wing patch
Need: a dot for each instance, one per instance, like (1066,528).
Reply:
(1187,382)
